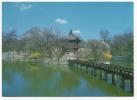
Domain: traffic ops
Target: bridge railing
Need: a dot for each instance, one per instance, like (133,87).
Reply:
(120,70)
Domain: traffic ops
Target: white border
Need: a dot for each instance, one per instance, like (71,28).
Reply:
(68,0)
(70,98)
(1,48)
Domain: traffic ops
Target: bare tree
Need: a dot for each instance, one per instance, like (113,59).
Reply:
(104,35)
(122,44)
(58,44)
(10,41)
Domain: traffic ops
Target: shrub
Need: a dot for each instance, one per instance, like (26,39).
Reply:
(107,56)
(35,55)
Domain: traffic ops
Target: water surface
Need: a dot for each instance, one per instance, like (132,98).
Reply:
(23,78)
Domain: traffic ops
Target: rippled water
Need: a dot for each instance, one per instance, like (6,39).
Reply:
(22,78)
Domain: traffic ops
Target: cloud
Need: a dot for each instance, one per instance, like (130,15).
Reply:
(77,32)
(10,28)
(61,21)
(24,6)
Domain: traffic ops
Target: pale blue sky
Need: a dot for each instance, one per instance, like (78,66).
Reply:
(86,19)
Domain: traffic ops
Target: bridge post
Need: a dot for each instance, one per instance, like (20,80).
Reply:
(72,64)
(83,68)
(122,82)
(76,65)
(80,67)
(131,85)
(105,75)
(68,63)
(94,71)
(87,68)
(100,74)
(113,78)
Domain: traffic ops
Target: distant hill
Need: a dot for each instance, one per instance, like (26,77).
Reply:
(34,31)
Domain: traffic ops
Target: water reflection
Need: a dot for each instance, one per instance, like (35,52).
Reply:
(22,78)
(108,89)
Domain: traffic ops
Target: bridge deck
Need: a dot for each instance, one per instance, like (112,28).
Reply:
(120,70)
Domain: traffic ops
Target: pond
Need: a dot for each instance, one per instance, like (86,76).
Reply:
(23,78)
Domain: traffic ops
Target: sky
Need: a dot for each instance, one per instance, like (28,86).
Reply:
(85,19)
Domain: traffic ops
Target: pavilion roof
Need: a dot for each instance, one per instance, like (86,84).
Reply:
(72,36)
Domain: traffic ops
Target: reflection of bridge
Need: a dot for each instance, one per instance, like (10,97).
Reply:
(105,69)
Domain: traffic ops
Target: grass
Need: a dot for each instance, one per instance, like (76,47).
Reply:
(129,64)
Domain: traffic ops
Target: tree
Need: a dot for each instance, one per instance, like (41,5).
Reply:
(94,45)
(58,44)
(122,44)
(47,41)
(104,35)
(9,41)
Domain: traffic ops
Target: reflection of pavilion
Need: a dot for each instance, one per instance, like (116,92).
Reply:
(72,46)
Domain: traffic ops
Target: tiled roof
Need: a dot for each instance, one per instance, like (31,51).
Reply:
(72,36)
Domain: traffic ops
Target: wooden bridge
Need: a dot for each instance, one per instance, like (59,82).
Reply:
(104,69)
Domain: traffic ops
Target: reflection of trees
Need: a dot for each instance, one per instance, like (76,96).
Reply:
(8,71)
(36,76)
(39,72)
(67,80)
(29,71)
(47,82)
(7,75)
(40,79)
